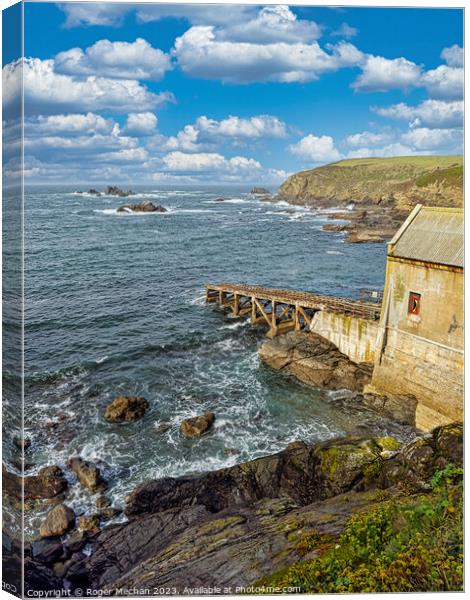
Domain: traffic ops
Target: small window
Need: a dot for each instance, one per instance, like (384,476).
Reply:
(414,303)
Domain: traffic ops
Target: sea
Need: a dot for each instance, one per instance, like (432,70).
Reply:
(115,305)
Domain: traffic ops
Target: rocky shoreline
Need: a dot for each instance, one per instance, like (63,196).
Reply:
(233,526)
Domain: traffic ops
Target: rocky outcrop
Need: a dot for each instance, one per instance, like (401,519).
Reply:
(57,522)
(315,361)
(143,207)
(260,191)
(113,190)
(380,191)
(197,426)
(398,182)
(126,408)
(232,526)
(48,483)
(88,474)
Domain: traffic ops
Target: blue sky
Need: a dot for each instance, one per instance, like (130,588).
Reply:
(232,93)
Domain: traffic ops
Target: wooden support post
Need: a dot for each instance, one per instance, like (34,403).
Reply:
(253,311)
(298,326)
(236,305)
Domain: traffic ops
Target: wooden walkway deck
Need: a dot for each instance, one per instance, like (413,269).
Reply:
(284,310)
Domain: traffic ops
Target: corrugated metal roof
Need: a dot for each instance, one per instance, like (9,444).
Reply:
(431,234)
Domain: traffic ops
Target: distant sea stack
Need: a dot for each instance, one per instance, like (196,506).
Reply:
(398,182)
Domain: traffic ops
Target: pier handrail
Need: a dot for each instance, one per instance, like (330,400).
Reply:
(358,308)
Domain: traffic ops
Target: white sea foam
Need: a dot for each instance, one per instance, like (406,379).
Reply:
(334,252)
(130,213)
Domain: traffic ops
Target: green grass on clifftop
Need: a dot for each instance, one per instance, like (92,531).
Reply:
(412,545)
(403,181)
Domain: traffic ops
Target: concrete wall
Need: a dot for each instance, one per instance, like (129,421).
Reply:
(423,354)
(357,338)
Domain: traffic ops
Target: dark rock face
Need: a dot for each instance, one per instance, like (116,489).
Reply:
(113,190)
(57,522)
(49,482)
(144,207)
(88,474)
(400,408)
(233,526)
(126,408)
(197,426)
(315,361)
(94,192)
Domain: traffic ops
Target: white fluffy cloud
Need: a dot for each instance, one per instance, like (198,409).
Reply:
(316,149)
(123,60)
(201,53)
(453,56)
(444,82)
(367,138)
(93,13)
(207,133)
(395,149)
(208,162)
(381,74)
(69,125)
(423,138)
(261,126)
(141,124)
(430,113)
(272,24)
(345,30)
(48,92)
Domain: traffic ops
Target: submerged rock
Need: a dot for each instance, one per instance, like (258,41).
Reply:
(48,483)
(93,192)
(57,522)
(197,426)
(145,207)
(88,474)
(126,408)
(315,361)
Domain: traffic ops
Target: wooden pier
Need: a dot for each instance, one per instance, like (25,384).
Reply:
(284,310)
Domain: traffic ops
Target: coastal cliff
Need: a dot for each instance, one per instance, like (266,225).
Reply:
(398,181)
(382,191)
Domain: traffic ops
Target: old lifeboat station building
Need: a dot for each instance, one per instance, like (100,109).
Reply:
(420,339)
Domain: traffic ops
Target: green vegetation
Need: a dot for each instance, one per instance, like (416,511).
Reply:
(414,544)
(429,162)
(400,181)
(450,176)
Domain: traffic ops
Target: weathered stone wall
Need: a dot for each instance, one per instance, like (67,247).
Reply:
(423,354)
(357,338)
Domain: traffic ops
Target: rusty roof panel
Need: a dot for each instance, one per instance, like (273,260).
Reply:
(433,235)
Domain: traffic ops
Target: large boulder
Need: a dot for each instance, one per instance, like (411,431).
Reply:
(48,483)
(197,426)
(260,191)
(88,474)
(126,408)
(400,408)
(57,522)
(143,207)
(315,361)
